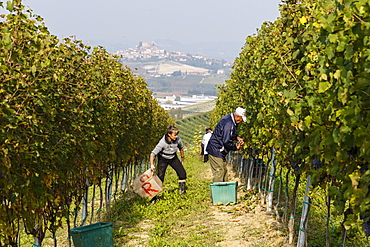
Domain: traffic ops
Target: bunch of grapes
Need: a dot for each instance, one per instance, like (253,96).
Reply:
(366,225)
(296,165)
(317,164)
(363,168)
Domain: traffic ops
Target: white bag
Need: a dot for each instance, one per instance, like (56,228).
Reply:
(148,184)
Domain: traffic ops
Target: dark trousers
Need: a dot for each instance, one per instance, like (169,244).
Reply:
(205,158)
(175,163)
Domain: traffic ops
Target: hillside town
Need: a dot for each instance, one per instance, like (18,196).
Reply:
(176,78)
(147,51)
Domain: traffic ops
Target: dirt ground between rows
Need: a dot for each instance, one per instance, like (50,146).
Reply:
(246,223)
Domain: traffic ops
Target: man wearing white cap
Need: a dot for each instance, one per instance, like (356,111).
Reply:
(223,141)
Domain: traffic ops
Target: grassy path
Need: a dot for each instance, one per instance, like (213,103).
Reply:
(191,219)
(172,220)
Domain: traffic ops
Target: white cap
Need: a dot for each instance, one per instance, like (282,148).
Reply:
(241,112)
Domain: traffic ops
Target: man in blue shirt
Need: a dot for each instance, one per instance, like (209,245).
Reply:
(223,141)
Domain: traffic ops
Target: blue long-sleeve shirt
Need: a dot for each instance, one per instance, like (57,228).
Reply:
(223,137)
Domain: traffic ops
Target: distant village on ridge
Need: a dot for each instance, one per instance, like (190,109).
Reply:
(176,78)
(149,52)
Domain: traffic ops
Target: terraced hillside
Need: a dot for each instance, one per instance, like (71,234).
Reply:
(193,128)
(204,107)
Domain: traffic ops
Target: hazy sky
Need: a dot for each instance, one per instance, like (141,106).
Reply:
(186,21)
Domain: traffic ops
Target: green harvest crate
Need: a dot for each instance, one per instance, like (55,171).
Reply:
(94,235)
(224,192)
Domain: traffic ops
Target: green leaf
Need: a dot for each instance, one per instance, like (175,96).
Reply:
(345,129)
(348,53)
(336,136)
(342,43)
(362,82)
(311,101)
(323,86)
(33,69)
(307,121)
(334,170)
(290,94)
(7,38)
(10,5)
(330,51)
(333,190)
(333,37)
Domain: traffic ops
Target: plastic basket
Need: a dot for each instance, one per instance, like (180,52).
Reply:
(224,192)
(94,235)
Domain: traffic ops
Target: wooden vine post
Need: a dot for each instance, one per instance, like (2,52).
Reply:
(272,181)
(302,234)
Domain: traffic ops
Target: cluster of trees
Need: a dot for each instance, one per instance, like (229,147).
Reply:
(304,80)
(68,113)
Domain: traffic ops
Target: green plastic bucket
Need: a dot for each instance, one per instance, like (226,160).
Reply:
(224,192)
(94,235)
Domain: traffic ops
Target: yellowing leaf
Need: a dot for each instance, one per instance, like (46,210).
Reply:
(355,177)
(324,77)
(337,74)
(303,20)
(57,200)
(33,69)
(290,112)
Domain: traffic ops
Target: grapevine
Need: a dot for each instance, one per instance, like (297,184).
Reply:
(304,80)
(68,112)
